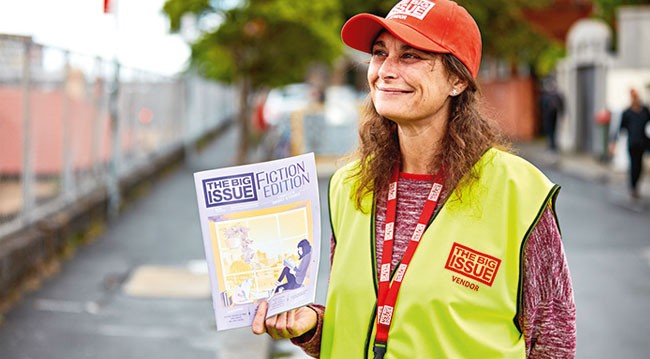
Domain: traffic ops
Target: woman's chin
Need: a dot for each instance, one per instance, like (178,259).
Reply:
(390,114)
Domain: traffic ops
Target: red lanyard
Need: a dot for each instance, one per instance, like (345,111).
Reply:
(387,295)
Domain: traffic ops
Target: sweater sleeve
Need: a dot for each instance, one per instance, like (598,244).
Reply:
(548,317)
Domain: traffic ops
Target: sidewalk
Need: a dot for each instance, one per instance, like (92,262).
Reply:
(585,167)
(139,290)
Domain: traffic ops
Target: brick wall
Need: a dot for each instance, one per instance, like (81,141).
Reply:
(514,106)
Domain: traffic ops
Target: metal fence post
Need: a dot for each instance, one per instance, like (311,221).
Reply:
(28,160)
(114,196)
(98,93)
(68,178)
(50,167)
(188,143)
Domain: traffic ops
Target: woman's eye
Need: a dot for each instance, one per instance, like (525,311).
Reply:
(378,53)
(410,56)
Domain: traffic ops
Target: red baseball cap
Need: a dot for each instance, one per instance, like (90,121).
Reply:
(440,26)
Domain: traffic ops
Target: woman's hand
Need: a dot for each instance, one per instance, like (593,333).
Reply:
(291,324)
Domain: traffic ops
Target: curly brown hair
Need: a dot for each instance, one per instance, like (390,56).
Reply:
(468,135)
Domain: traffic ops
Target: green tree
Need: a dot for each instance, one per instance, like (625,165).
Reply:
(505,32)
(377,7)
(259,43)
(266,43)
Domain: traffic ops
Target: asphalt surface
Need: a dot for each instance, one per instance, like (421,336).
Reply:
(606,237)
(85,311)
(99,306)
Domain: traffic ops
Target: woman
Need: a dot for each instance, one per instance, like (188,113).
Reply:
(295,275)
(463,258)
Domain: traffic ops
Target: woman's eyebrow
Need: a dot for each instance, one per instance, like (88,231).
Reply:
(406,47)
(403,48)
(378,43)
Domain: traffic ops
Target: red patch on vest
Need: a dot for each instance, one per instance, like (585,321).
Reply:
(473,264)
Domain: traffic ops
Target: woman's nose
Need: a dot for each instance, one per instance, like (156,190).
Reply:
(388,68)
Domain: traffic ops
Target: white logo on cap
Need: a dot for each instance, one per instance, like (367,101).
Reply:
(416,8)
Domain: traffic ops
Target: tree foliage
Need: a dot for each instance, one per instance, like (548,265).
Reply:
(269,42)
(505,33)
(273,41)
(259,43)
(376,7)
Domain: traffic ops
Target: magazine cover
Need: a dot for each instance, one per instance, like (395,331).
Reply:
(261,232)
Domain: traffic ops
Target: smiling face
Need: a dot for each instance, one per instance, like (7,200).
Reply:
(407,85)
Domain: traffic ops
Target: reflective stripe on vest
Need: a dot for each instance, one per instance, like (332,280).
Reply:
(460,296)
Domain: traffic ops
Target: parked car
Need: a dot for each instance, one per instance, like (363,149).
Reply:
(283,101)
(329,129)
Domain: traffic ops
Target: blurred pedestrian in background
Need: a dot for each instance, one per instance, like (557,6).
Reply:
(635,121)
(552,107)
(443,245)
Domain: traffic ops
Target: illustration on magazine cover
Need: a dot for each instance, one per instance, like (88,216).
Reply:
(261,230)
(257,252)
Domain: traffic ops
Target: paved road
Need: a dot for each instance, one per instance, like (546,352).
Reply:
(85,311)
(607,241)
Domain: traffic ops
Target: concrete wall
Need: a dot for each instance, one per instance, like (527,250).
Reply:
(612,77)
(634,36)
(619,83)
(582,78)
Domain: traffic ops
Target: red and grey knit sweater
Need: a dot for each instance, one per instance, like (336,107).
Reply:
(548,315)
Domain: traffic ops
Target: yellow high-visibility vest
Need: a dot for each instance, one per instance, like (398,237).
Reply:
(462,292)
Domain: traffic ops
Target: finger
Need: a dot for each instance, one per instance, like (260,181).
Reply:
(291,319)
(258,325)
(280,327)
(270,326)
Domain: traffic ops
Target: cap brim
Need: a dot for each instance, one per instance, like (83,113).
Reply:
(361,31)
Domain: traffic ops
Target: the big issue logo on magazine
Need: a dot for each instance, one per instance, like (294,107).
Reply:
(248,187)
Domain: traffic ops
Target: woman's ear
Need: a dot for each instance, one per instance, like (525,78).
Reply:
(457,86)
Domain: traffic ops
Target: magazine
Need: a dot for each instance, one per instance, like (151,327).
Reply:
(261,232)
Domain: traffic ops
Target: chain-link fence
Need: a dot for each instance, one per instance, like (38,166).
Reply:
(72,124)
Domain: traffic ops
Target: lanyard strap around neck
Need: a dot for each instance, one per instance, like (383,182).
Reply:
(387,295)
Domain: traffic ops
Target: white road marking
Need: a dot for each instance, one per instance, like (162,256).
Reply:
(66,306)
